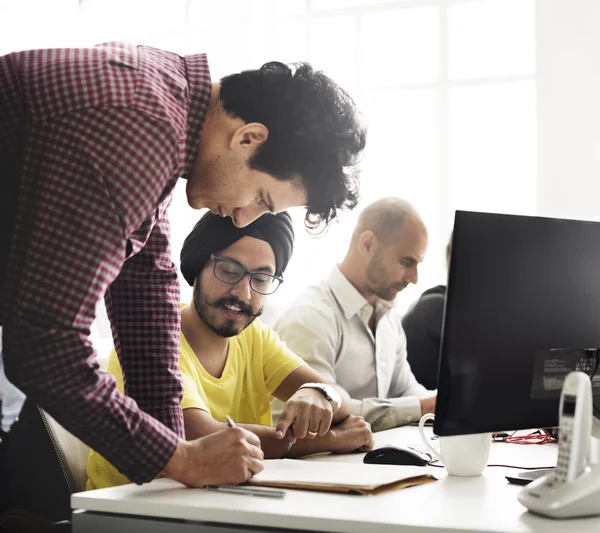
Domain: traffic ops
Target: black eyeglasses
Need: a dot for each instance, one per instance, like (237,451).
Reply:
(230,272)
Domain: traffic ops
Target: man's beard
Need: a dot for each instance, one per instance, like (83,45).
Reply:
(374,276)
(229,328)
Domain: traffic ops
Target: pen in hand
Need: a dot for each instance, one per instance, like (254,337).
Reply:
(250,491)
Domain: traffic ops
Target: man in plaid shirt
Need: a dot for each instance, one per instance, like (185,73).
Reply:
(92,142)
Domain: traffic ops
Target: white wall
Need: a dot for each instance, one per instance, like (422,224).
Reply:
(568,107)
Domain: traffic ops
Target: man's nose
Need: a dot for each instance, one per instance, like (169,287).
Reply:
(413,275)
(242,289)
(242,216)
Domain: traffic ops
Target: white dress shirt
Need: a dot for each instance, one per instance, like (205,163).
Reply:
(328,326)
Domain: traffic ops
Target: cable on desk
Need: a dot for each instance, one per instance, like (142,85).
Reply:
(539,436)
(504,466)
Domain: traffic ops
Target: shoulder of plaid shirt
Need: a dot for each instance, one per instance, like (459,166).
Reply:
(105,132)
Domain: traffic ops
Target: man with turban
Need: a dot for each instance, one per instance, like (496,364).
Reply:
(231,363)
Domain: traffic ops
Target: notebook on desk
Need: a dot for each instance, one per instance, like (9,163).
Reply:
(339,477)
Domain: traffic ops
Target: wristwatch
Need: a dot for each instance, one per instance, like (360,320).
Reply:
(328,391)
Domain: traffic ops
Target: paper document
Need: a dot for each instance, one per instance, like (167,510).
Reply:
(339,477)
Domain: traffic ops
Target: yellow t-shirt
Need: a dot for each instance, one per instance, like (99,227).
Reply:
(257,363)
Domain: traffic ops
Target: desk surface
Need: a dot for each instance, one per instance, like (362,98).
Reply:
(483,504)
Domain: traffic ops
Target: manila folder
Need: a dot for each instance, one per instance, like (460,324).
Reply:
(339,477)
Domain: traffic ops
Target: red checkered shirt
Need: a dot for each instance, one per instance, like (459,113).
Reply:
(104,134)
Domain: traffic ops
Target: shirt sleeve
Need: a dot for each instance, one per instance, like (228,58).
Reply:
(311,333)
(403,405)
(192,384)
(143,307)
(69,245)
(387,413)
(278,360)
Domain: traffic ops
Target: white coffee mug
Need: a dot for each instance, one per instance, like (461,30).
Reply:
(462,455)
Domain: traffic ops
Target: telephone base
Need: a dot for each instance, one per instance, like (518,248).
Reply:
(578,498)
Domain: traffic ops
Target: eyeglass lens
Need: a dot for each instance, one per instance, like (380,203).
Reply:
(231,273)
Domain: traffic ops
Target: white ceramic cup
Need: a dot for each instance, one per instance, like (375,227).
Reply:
(462,455)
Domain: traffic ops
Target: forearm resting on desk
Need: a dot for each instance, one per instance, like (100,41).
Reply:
(349,435)
(387,413)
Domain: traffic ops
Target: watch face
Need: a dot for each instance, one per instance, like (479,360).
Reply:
(329,392)
(333,395)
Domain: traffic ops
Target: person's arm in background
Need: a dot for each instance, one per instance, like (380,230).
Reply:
(311,332)
(12,399)
(408,399)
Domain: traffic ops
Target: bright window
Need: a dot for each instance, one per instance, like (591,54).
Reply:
(446,86)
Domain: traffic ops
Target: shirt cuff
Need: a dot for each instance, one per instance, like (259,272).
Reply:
(407,409)
(393,412)
(151,448)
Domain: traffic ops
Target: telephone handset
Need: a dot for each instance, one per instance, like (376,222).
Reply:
(573,488)
(574,427)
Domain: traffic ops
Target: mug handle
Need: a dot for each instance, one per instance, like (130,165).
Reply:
(424,418)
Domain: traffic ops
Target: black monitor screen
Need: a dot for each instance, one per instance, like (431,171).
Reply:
(522,311)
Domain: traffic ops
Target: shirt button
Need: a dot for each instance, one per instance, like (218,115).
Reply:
(409,418)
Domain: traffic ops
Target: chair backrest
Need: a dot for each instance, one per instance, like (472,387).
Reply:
(38,468)
(71,452)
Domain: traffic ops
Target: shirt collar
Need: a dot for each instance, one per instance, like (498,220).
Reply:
(200,86)
(351,301)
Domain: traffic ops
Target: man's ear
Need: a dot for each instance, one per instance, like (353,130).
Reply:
(249,137)
(367,243)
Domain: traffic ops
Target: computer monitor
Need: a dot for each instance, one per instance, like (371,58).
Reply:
(522,311)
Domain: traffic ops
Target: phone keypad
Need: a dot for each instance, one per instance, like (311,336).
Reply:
(564,451)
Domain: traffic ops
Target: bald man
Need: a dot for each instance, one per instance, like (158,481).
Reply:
(346,327)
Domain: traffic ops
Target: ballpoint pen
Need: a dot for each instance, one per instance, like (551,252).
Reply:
(248,491)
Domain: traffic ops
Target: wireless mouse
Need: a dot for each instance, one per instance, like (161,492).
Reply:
(396,455)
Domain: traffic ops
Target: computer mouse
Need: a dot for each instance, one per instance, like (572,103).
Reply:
(396,455)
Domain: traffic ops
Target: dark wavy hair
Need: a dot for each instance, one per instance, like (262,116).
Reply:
(315,132)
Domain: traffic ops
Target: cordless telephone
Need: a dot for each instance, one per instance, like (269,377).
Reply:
(573,488)
(575,427)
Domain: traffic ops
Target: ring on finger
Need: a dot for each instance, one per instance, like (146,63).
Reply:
(312,434)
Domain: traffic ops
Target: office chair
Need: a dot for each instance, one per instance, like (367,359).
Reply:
(72,453)
(42,465)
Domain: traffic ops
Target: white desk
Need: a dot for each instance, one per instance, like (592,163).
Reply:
(484,504)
